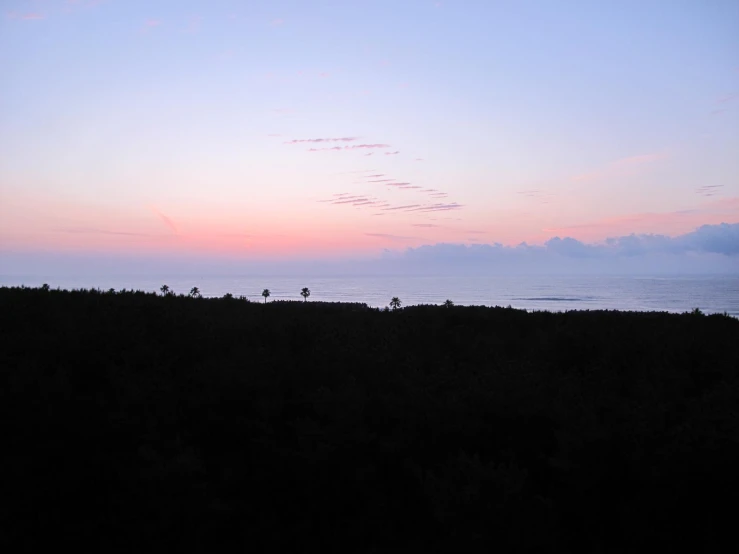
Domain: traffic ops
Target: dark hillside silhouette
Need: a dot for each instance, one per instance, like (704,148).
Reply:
(136,422)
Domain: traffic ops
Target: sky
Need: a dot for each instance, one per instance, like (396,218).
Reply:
(342,131)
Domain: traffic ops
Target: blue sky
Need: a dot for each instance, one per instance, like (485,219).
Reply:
(191,128)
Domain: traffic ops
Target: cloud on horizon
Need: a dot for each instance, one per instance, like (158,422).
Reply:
(710,247)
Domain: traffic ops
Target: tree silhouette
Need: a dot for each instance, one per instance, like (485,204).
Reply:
(395,303)
(448,303)
(266,294)
(195,292)
(165,290)
(45,287)
(305,293)
(228,296)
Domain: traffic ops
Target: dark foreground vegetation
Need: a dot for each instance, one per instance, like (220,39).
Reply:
(134,422)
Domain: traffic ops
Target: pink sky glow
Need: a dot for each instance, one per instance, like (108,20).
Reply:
(280,130)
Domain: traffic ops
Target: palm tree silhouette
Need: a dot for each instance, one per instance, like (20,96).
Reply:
(448,303)
(195,292)
(165,290)
(305,293)
(266,294)
(395,303)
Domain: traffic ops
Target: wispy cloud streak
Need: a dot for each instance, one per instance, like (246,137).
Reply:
(316,140)
(352,147)
(166,220)
(709,190)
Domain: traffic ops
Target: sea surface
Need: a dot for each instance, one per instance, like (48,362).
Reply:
(712,294)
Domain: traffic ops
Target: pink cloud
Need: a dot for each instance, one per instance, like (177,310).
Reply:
(391,153)
(167,221)
(369,146)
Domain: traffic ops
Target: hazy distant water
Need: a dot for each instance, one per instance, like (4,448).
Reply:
(672,294)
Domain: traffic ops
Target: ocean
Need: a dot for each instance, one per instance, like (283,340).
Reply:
(712,294)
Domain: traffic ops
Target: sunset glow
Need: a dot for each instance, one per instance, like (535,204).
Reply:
(291,130)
